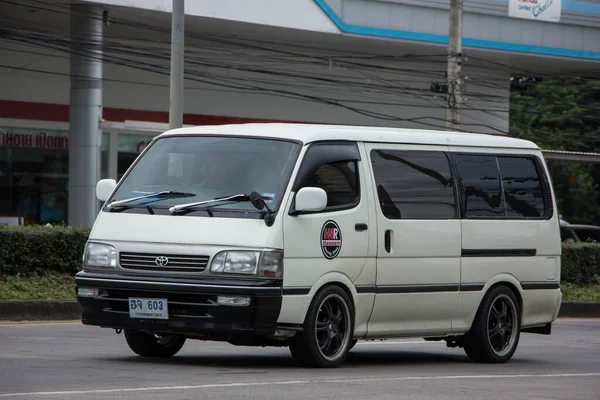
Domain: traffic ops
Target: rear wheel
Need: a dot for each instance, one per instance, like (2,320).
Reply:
(328,329)
(495,333)
(150,345)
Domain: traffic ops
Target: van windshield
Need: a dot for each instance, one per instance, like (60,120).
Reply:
(207,167)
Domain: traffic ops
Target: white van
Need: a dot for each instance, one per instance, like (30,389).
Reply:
(316,236)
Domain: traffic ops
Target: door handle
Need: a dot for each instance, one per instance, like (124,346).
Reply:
(361,227)
(388,241)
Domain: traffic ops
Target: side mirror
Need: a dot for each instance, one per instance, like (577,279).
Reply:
(310,199)
(104,188)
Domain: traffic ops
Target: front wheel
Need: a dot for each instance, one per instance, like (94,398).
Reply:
(150,345)
(496,329)
(328,329)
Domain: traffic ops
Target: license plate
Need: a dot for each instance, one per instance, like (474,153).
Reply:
(148,308)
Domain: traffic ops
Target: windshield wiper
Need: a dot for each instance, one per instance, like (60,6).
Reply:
(161,195)
(188,206)
(256,199)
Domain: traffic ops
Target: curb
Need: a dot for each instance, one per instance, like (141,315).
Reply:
(67,310)
(39,310)
(579,310)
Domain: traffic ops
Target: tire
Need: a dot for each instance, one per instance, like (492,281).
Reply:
(496,330)
(328,328)
(149,345)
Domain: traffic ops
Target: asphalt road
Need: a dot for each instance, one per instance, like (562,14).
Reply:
(72,361)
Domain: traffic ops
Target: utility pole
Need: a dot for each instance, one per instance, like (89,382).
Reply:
(454,76)
(176,85)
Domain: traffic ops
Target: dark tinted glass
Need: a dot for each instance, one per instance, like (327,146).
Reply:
(414,184)
(481,186)
(522,187)
(588,234)
(339,180)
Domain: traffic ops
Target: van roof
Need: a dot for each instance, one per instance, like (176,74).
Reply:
(308,133)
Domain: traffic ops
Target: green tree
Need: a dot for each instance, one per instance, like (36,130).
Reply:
(563,114)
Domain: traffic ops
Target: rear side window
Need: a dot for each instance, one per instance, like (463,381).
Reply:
(414,184)
(522,187)
(481,186)
(507,187)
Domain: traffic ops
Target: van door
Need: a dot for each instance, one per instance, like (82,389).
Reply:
(332,244)
(419,239)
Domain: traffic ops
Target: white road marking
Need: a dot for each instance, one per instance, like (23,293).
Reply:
(302,382)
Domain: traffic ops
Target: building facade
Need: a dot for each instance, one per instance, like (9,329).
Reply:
(85,85)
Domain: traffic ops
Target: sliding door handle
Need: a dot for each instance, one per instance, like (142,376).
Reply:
(388,241)
(361,227)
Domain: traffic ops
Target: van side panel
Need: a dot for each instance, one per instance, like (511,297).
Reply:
(522,252)
(307,268)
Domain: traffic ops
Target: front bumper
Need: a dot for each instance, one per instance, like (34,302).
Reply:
(192,305)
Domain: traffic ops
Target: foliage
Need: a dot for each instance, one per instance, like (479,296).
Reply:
(580,294)
(580,263)
(563,114)
(50,286)
(37,249)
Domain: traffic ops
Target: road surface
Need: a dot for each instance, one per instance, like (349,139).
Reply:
(72,361)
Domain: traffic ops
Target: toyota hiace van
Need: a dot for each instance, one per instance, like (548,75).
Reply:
(313,237)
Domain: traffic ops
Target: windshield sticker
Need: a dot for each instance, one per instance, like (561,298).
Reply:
(270,197)
(331,240)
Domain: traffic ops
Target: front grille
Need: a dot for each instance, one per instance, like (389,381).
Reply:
(163,262)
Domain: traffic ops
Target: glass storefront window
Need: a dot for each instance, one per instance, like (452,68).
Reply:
(34,172)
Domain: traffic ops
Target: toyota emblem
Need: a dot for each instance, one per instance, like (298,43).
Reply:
(161,261)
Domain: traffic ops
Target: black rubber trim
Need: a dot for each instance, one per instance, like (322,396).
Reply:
(296,290)
(176,287)
(201,279)
(291,327)
(540,285)
(366,288)
(471,287)
(498,252)
(417,288)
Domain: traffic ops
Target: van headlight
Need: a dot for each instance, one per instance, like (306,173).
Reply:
(264,264)
(99,255)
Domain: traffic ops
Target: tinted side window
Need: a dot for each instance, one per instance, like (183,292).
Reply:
(481,185)
(339,180)
(414,184)
(522,188)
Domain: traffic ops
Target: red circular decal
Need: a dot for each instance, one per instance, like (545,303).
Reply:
(331,240)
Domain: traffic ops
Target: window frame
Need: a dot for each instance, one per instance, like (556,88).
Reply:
(322,153)
(543,178)
(453,178)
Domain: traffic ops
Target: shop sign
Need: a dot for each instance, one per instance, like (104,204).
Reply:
(37,140)
(539,10)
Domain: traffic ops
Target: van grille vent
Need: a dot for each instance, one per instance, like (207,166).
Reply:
(163,262)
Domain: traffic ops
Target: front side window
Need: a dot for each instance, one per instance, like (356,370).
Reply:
(202,168)
(340,182)
(414,184)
